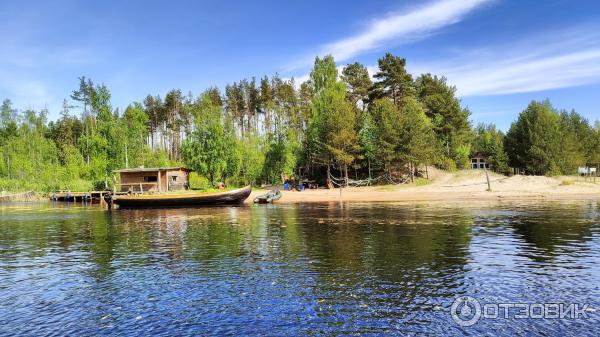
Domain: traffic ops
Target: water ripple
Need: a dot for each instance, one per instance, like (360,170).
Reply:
(324,269)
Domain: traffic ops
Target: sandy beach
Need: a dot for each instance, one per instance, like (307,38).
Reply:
(461,185)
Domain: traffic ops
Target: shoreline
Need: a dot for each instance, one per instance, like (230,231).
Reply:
(467,185)
(460,186)
(348,195)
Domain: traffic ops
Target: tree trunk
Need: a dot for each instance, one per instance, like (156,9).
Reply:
(329,183)
(152,139)
(346,175)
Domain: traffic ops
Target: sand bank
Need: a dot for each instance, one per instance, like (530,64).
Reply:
(462,185)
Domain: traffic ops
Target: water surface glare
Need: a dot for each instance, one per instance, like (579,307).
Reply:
(295,270)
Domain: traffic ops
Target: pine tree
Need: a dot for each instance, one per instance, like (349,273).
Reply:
(417,143)
(358,83)
(392,80)
(386,117)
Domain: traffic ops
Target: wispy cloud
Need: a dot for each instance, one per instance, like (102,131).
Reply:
(398,28)
(531,64)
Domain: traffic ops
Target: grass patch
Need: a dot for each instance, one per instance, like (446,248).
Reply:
(567,182)
(387,188)
(422,182)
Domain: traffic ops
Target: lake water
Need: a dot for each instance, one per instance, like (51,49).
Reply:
(297,270)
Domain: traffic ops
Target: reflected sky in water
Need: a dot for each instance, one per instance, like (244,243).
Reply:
(314,269)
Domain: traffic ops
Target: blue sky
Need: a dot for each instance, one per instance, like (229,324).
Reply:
(500,54)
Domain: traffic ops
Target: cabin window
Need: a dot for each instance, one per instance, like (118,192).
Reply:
(150,179)
(173,178)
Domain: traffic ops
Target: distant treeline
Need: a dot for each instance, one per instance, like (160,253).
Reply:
(259,130)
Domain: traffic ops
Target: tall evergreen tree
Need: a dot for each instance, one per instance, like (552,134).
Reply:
(417,143)
(450,121)
(386,117)
(392,80)
(358,83)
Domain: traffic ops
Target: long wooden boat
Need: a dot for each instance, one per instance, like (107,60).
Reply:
(189,199)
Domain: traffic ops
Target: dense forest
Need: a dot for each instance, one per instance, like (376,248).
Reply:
(346,128)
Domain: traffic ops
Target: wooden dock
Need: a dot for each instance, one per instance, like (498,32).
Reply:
(78,196)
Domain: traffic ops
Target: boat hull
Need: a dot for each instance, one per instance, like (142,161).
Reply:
(268,197)
(183,200)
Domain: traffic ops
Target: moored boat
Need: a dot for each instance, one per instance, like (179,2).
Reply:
(268,197)
(189,199)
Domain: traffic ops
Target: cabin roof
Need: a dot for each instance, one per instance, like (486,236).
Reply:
(152,169)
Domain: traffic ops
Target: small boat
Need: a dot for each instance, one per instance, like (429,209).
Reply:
(268,197)
(181,199)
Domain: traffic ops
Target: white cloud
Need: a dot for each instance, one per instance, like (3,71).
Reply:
(553,60)
(402,27)
(533,64)
(395,29)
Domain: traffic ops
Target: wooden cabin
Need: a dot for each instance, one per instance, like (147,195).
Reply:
(479,161)
(153,180)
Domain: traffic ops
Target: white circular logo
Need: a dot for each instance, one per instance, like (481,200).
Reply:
(466,311)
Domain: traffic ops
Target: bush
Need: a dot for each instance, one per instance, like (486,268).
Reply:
(462,158)
(447,164)
(198,182)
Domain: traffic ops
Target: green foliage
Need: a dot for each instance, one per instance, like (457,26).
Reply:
(544,141)
(450,121)
(261,129)
(490,142)
(576,142)
(386,117)
(533,141)
(367,139)
(281,157)
(358,83)
(135,132)
(417,144)
(253,159)
(211,149)
(198,182)
(462,156)
(422,182)
(447,164)
(393,81)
